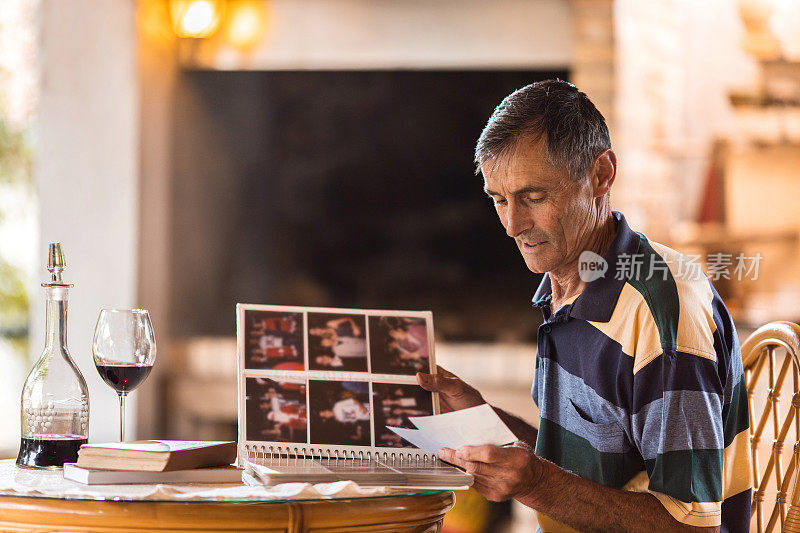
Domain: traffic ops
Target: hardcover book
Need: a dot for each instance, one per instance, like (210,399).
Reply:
(156,455)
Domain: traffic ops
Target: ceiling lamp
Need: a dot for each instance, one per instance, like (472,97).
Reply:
(195,18)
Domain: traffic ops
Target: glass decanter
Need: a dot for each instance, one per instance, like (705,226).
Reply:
(55,399)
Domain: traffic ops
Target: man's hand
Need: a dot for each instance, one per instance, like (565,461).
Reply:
(454,394)
(501,472)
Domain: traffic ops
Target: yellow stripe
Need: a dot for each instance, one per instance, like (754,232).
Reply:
(638,483)
(633,327)
(696,321)
(705,514)
(737,467)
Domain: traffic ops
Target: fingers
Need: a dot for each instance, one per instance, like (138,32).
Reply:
(447,454)
(425,379)
(485,454)
(444,372)
(448,385)
(499,472)
(471,467)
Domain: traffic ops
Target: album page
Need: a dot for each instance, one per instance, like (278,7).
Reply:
(324,382)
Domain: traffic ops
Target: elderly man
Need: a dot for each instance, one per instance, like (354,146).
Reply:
(639,382)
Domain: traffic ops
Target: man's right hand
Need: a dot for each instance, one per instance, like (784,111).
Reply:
(454,394)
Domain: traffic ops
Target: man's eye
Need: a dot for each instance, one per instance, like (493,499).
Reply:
(534,200)
(498,201)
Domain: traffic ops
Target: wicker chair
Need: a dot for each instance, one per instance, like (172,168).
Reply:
(762,350)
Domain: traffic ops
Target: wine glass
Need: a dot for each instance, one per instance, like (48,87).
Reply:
(124,349)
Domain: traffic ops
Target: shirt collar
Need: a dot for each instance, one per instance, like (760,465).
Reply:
(598,300)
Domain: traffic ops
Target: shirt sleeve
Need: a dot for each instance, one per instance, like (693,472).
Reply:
(678,429)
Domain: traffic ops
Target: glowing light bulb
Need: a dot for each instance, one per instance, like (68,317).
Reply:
(195,18)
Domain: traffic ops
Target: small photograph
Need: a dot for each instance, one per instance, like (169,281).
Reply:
(337,342)
(398,345)
(339,412)
(276,410)
(393,404)
(273,340)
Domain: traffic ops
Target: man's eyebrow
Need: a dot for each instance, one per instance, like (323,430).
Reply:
(524,190)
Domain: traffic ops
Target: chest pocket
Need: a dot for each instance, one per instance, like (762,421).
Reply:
(607,437)
(609,460)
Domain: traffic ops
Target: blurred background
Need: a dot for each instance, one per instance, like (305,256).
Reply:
(191,154)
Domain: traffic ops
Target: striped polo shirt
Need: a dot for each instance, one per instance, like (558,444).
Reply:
(640,386)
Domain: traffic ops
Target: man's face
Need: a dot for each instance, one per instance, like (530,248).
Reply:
(548,214)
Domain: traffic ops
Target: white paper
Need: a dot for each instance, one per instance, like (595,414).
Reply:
(475,426)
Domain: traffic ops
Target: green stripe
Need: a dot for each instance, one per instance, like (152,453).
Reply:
(574,453)
(735,417)
(660,294)
(687,475)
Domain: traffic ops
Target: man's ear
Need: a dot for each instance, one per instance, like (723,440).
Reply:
(604,170)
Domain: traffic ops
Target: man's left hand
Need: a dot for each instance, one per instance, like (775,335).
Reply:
(501,472)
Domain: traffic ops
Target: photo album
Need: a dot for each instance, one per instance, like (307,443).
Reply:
(323,384)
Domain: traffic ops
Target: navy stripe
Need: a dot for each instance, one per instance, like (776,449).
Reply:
(566,401)
(736,513)
(735,416)
(726,346)
(674,371)
(583,350)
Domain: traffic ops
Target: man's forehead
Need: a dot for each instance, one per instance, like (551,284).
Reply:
(523,166)
(517,178)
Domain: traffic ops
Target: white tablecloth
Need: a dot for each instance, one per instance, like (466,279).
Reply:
(15,481)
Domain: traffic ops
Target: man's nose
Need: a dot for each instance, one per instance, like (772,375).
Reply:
(517,220)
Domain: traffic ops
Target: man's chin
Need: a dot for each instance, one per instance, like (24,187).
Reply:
(537,266)
(539,261)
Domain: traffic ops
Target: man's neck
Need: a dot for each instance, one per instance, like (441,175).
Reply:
(565,282)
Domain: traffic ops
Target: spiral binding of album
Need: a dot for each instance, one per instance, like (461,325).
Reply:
(261,453)
(285,391)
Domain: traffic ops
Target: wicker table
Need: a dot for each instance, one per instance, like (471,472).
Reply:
(205,508)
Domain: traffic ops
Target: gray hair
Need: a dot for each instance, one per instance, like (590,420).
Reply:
(575,132)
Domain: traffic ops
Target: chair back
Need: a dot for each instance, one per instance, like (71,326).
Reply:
(770,356)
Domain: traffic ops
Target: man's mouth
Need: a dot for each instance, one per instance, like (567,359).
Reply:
(532,246)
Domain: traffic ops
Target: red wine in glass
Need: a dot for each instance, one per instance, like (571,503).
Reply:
(124,350)
(123,377)
(49,450)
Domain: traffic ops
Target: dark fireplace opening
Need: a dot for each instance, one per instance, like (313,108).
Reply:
(345,189)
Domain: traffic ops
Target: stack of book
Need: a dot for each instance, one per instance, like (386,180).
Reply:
(155,461)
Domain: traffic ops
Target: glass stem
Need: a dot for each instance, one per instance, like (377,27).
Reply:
(122,417)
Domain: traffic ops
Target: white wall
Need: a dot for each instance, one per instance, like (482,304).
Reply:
(400,34)
(86,175)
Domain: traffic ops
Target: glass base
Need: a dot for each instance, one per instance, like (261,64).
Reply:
(34,467)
